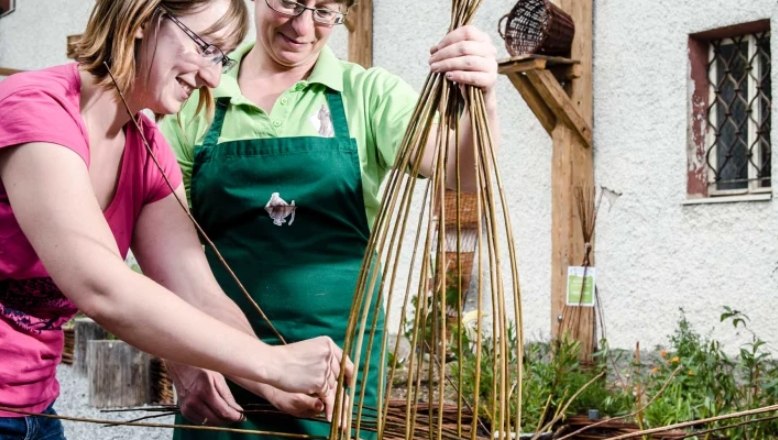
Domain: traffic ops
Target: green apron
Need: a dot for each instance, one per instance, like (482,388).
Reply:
(288,215)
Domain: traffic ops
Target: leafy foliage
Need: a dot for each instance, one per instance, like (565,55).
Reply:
(708,382)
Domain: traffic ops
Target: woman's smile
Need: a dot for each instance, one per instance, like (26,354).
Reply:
(185,87)
(294,42)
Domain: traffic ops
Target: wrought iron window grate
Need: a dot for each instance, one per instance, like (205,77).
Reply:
(738,117)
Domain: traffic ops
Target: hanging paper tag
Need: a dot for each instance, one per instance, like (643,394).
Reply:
(580,286)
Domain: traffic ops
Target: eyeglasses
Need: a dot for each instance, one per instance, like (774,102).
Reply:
(207,50)
(291,8)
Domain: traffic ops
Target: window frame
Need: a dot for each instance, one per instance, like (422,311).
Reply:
(753,182)
(699,188)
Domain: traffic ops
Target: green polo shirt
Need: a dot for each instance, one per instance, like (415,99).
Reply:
(378,106)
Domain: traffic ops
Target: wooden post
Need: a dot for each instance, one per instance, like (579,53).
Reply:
(118,374)
(572,168)
(359,22)
(69,345)
(86,330)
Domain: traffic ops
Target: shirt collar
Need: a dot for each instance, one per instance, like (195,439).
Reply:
(327,71)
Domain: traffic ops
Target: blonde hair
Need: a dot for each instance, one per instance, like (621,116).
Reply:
(109,38)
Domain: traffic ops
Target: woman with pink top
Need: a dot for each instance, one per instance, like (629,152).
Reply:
(79,187)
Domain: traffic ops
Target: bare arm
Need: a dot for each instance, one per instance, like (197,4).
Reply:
(54,203)
(468,57)
(167,248)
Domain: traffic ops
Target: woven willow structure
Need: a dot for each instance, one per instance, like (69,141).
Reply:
(460,381)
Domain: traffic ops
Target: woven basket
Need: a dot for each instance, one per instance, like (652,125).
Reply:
(537,27)
(468,210)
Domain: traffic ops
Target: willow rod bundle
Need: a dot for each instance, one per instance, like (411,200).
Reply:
(577,319)
(415,265)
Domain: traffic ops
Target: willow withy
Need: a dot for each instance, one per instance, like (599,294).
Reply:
(414,259)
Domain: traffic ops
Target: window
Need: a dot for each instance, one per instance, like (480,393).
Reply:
(738,153)
(6,7)
(729,150)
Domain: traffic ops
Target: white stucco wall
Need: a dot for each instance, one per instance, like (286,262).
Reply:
(653,254)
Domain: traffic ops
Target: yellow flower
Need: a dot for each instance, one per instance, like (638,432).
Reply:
(675,360)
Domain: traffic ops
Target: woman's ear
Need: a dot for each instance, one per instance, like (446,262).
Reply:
(139,32)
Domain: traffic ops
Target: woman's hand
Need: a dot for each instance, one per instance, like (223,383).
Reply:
(203,396)
(295,404)
(467,56)
(312,367)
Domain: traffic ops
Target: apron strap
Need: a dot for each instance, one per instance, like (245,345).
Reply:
(338,114)
(218,120)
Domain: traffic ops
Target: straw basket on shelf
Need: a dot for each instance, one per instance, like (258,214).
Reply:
(537,27)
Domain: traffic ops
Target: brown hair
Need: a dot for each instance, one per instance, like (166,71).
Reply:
(109,37)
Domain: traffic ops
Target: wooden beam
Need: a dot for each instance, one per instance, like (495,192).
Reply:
(557,100)
(359,22)
(572,169)
(523,63)
(533,78)
(533,100)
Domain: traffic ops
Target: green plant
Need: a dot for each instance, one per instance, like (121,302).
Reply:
(708,382)
(427,322)
(552,377)
(691,379)
(485,387)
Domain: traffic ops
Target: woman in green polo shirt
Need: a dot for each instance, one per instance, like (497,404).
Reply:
(285,178)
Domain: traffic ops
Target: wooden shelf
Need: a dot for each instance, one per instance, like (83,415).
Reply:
(537,78)
(566,68)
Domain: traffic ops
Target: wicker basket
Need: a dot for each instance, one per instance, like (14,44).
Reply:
(468,210)
(537,27)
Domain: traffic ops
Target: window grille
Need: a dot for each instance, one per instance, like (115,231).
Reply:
(738,152)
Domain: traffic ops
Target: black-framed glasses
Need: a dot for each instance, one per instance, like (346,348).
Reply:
(207,50)
(292,8)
